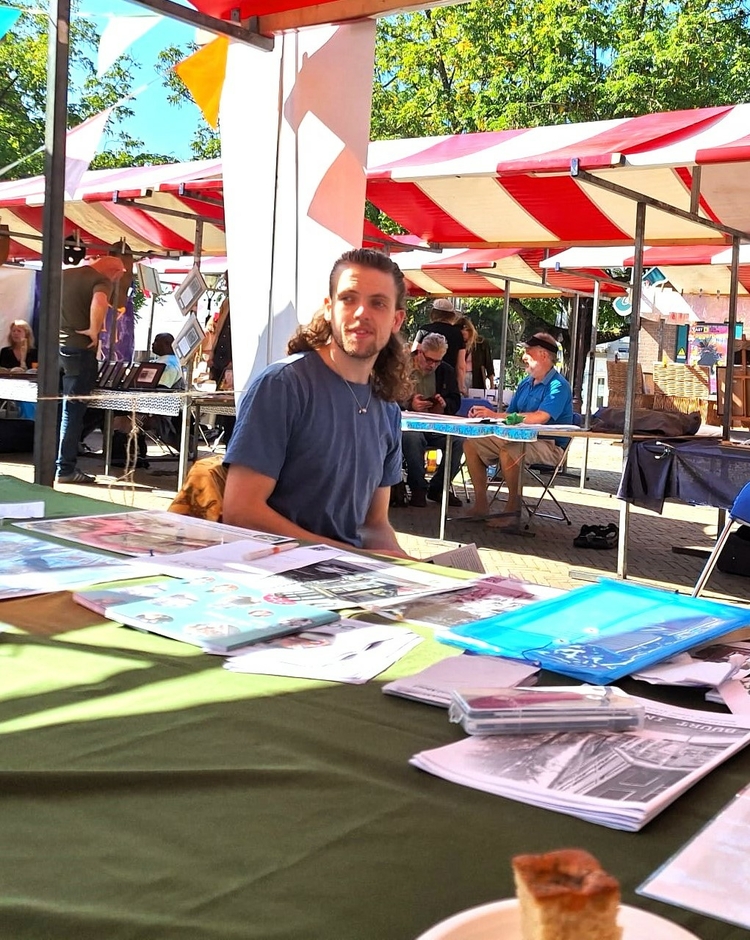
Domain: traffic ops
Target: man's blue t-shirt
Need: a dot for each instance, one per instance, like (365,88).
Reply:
(552,395)
(299,424)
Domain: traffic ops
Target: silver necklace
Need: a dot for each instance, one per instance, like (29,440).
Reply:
(361,409)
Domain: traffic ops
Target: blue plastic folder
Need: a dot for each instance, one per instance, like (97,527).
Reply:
(601,633)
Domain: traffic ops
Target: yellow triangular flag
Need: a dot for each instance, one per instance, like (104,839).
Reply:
(203,73)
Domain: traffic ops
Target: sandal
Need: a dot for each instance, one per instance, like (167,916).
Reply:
(597,536)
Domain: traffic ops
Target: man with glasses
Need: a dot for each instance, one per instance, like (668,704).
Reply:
(435,392)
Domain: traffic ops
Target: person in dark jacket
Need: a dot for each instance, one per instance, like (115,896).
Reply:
(436,392)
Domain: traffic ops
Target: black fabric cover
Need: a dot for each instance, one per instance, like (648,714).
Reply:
(663,423)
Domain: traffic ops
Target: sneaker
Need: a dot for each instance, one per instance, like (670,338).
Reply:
(453,500)
(77,476)
(418,498)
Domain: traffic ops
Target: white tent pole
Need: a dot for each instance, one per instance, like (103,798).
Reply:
(503,345)
(590,382)
(635,318)
(734,277)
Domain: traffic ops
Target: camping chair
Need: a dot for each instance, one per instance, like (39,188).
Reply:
(545,475)
(740,512)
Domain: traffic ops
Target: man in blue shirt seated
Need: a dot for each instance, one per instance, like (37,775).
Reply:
(436,393)
(317,444)
(543,397)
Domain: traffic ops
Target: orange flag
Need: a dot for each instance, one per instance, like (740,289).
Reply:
(203,73)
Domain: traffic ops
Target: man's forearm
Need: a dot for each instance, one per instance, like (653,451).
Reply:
(98,313)
(381,537)
(265,519)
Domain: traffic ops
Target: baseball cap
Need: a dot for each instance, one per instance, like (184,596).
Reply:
(542,344)
(442,303)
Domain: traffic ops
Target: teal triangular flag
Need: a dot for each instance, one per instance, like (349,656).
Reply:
(8,17)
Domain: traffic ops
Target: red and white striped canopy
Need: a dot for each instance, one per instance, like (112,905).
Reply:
(692,269)
(100,214)
(515,187)
(483,272)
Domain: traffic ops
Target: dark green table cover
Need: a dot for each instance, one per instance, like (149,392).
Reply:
(149,793)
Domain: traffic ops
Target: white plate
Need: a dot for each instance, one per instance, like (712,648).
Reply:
(501,921)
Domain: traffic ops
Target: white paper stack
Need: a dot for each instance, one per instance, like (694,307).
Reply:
(348,651)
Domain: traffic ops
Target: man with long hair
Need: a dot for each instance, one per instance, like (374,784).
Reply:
(317,445)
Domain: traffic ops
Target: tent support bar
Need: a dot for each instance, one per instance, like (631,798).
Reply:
(483,272)
(45,426)
(102,246)
(635,325)
(504,327)
(199,197)
(221,27)
(162,210)
(695,191)
(734,278)
(584,177)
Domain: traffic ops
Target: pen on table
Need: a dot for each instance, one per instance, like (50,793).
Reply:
(271,550)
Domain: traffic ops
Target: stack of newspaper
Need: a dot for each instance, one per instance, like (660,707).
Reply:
(618,780)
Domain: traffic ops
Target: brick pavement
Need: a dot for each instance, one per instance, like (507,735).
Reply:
(545,558)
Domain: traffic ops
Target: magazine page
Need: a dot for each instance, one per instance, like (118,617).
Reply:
(619,780)
(145,532)
(477,600)
(217,614)
(34,566)
(711,873)
(347,651)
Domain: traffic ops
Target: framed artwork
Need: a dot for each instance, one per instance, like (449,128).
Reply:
(149,279)
(188,339)
(104,373)
(115,375)
(126,379)
(146,375)
(190,291)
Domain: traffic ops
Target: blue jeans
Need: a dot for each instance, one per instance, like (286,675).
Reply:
(79,368)
(413,445)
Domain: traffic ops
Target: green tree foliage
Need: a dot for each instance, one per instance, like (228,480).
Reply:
(23,95)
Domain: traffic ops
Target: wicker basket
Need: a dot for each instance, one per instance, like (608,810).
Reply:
(617,383)
(677,380)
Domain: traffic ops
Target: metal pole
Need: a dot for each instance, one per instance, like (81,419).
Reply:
(590,382)
(635,321)
(734,277)
(503,345)
(46,425)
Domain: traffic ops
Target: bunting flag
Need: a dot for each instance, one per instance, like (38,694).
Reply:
(8,17)
(81,143)
(120,33)
(203,74)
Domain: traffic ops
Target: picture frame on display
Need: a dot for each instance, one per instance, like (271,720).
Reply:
(146,375)
(190,291)
(189,339)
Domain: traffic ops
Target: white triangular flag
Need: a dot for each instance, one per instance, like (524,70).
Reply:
(119,33)
(81,143)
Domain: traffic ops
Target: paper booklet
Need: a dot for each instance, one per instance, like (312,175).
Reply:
(711,873)
(216,613)
(320,575)
(620,780)
(103,596)
(348,651)
(477,600)
(34,566)
(435,684)
(463,557)
(602,632)
(151,533)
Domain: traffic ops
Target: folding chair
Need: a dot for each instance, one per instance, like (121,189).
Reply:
(740,512)
(545,475)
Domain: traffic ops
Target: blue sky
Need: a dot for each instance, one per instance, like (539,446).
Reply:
(164,128)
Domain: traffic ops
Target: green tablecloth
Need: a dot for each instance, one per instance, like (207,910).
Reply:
(148,793)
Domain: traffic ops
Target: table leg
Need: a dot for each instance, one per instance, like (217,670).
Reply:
(446,484)
(184,443)
(107,442)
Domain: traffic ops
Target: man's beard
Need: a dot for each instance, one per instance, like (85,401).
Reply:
(349,346)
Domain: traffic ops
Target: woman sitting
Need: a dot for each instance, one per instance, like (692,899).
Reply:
(20,353)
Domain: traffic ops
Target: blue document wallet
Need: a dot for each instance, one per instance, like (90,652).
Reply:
(601,633)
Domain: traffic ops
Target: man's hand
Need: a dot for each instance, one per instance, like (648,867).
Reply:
(438,405)
(93,335)
(419,403)
(480,411)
